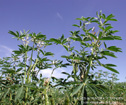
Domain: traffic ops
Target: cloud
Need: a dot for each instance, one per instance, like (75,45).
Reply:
(57,73)
(6,50)
(59,16)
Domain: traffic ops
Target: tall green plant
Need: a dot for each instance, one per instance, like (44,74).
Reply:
(92,36)
(22,68)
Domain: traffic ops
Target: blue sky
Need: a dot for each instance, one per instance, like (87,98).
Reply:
(56,17)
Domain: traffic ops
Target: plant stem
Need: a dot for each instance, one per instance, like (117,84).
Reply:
(30,63)
(10,97)
(88,68)
(25,65)
(85,97)
(26,75)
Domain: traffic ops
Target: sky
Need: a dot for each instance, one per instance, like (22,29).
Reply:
(56,17)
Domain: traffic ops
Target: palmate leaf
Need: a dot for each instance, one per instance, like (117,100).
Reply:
(76,89)
(93,89)
(110,17)
(97,89)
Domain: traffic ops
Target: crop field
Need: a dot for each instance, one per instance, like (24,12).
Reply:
(23,83)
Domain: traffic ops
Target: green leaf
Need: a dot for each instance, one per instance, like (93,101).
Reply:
(76,39)
(80,23)
(82,18)
(71,49)
(76,25)
(83,43)
(117,37)
(114,48)
(6,92)
(103,16)
(17,52)
(111,69)
(40,36)
(110,16)
(44,59)
(62,37)
(79,19)
(19,92)
(76,89)
(112,65)
(64,56)
(96,21)
(113,19)
(48,54)
(107,24)
(19,69)
(21,46)
(100,34)
(65,47)
(42,51)
(108,53)
(107,38)
(64,41)
(92,35)
(92,87)
(55,40)
(65,73)
(108,28)
(105,45)
(101,27)
(13,33)
(8,70)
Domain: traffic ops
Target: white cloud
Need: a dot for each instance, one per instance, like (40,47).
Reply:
(6,50)
(59,16)
(57,73)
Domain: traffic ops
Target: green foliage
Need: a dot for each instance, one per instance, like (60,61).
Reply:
(21,85)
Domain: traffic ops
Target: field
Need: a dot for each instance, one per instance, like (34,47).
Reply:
(21,84)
